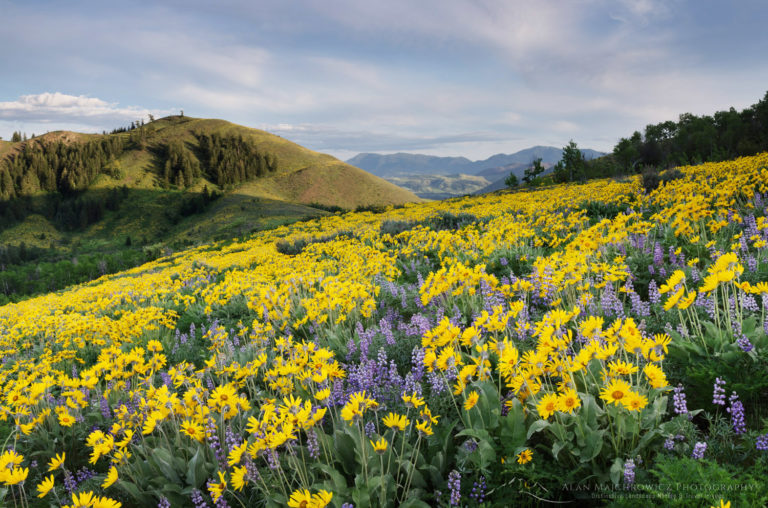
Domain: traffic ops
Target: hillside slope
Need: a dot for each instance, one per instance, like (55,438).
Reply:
(297,178)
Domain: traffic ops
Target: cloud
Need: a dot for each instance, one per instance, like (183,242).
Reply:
(332,139)
(57,107)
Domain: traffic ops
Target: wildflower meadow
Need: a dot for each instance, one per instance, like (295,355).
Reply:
(596,342)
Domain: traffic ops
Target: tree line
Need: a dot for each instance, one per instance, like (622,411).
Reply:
(56,166)
(690,140)
(696,139)
(231,160)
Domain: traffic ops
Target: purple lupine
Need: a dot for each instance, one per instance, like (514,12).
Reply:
(698,450)
(164,502)
(751,263)
(682,330)
(749,303)
(69,482)
(436,383)
(610,302)
(386,329)
(744,343)
(454,484)
(658,254)
(639,307)
(765,322)
(351,348)
(214,444)
(313,447)
(85,474)
(410,385)
(669,443)
(106,412)
(478,490)
(736,410)
(681,407)
(231,439)
(417,363)
(718,395)
(272,459)
(762,443)
(629,473)
(653,292)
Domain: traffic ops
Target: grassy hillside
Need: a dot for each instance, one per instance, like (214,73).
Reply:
(128,204)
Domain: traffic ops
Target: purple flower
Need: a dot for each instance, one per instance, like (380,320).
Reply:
(629,473)
(718,396)
(744,343)
(212,436)
(478,490)
(312,445)
(197,499)
(698,450)
(454,483)
(681,407)
(762,442)
(669,443)
(653,292)
(163,503)
(737,414)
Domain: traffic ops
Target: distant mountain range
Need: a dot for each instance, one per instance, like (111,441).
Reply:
(408,170)
(412,164)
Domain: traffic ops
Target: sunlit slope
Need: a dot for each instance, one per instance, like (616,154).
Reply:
(303,176)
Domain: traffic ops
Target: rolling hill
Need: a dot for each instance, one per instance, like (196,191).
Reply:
(297,179)
(77,206)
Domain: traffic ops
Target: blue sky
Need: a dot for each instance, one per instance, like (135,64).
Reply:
(443,77)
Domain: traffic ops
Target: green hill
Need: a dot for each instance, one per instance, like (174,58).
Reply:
(173,182)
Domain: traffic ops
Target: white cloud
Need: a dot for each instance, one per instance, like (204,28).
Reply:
(58,107)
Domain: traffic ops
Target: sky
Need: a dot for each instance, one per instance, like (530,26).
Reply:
(442,77)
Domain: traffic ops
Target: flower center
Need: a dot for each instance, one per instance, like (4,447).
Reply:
(618,394)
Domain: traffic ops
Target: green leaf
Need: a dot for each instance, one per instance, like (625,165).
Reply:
(479,434)
(413,502)
(337,479)
(557,447)
(196,473)
(537,426)
(617,469)
(487,454)
(513,433)
(164,461)
(593,444)
(345,447)
(133,490)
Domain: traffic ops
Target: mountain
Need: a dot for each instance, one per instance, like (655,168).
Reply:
(409,163)
(400,164)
